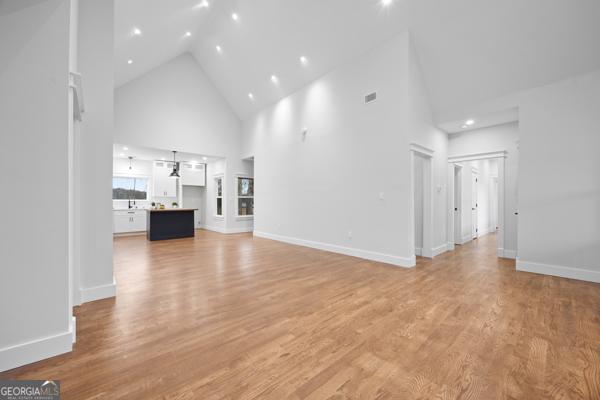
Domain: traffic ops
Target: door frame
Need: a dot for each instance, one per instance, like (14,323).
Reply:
(427,154)
(501,156)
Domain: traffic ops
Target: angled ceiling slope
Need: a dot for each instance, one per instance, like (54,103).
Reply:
(470,50)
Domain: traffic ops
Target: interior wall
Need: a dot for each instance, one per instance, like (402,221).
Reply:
(503,137)
(34,112)
(559,188)
(175,106)
(93,150)
(422,131)
(333,172)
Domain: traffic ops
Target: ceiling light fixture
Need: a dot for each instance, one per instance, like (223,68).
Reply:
(219,49)
(251,96)
(136,32)
(187,34)
(204,158)
(386,3)
(469,122)
(303,60)
(234,16)
(130,158)
(464,126)
(125,148)
(274,79)
(175,173)
(129,61)
(203,4)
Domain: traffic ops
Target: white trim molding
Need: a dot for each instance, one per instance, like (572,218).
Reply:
(406,262)
(506,253)
(36,350)
(436,251)
(226,231)
(559,270)
(478,156)
(417,148)
(98,292)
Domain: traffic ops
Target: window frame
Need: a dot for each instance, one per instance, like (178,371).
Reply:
(136,176)
(238,197)
(217,197)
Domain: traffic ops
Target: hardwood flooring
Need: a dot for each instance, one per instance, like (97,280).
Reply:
(236,317)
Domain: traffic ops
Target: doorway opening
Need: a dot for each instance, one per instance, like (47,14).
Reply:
(421,170)
(478,188)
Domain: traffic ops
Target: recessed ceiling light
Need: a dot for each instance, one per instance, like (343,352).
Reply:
(125,148)
(234,16)
(251,96)
(162,158)
(219,49)
(204,158)
(274,79)
(464,126)
(469,122)
(203,4)
(136,31)
(303,60)
(129,61)
(386,2)
(121,154)
(187,34)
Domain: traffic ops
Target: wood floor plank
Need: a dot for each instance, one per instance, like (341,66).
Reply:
(237,317)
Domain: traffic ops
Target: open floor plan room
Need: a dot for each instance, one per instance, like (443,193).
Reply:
(239,317)
(300,199)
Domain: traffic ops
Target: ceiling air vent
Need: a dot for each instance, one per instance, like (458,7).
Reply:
(370,97)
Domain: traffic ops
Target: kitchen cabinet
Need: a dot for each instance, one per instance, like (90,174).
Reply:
(129,221)
(193,174)
(164,185)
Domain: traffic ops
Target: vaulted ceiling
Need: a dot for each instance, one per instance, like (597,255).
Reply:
(469,50)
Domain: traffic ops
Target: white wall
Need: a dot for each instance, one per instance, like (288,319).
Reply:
(324,189)
(422,131)
(176,107)
(559,185)
(93,149)
(34,283)
(503,137)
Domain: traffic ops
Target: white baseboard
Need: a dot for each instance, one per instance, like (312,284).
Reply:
(506,253)
(558,270)
(405,262)
(418,251)
(227,230)
(436,251)
(466,239)
(98,292)
(449,246)
(35,350)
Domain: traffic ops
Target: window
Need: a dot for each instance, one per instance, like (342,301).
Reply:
(219,192)
(127,187)
(245,194)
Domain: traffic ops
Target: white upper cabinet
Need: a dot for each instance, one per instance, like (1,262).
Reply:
(164,185)
(193,174)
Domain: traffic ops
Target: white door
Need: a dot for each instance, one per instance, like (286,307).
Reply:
(474,182)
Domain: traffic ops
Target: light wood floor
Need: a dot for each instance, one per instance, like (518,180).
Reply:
(238,317)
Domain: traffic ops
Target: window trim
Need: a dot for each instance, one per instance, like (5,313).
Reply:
(238,216)
(222,196)
(136,176)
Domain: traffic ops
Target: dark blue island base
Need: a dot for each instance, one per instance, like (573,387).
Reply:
(171,223)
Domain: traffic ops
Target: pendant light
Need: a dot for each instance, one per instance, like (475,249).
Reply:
(175,173)
(130,158)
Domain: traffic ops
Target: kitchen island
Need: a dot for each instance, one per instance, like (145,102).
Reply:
(171,223)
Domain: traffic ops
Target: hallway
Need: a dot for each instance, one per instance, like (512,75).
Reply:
(232,316)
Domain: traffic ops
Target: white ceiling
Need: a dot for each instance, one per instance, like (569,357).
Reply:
(469,50)
(149,154)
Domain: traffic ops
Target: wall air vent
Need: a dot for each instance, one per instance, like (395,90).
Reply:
(370,97)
